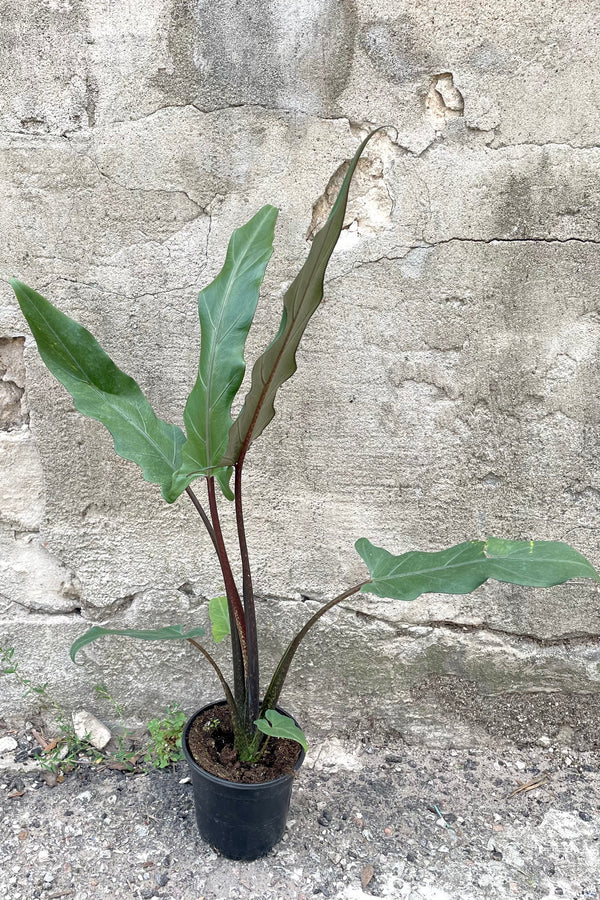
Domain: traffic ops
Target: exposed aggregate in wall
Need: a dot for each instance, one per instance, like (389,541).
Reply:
(448,387)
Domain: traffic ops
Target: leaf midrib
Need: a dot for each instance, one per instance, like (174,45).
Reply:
(285,337)
(496,559)
(235,271)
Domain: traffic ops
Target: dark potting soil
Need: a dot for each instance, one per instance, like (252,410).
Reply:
(210,742)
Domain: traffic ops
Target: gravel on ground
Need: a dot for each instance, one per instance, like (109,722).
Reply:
(370,817)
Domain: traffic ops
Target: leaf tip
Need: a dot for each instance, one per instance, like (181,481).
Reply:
(18,287)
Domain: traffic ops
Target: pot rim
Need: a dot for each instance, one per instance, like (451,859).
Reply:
(261,785)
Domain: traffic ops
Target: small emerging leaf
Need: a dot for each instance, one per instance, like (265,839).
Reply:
(168,633)
(277,725)
(101,390)
(219,617)
(461,569)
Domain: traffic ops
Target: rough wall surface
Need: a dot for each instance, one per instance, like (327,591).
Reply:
(448,387)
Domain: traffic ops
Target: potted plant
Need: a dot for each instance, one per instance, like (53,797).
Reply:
(244,750)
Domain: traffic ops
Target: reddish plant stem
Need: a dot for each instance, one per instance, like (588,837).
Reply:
(236,611)
(252,683)
(233,598)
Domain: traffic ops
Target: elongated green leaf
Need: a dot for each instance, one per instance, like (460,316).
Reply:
(168,633)
(461,569)
(278,362)
(101,390)
(277,725)
(226,309)
(219,617)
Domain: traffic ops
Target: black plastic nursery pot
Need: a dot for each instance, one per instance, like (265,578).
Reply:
(241,821)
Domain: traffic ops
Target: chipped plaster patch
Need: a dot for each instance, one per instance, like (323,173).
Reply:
(370,202)
(12,384)
(444,101)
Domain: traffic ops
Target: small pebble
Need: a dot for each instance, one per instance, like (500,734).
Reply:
(8,744)
(87,727)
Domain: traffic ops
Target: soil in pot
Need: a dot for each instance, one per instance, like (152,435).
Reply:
(210,741)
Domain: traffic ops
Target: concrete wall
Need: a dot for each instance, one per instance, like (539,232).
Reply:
(448,387)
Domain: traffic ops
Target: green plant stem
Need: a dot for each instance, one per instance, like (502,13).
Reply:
(203,516)
(6,656)
(235,715)
(252,684)
(261,752)
(274,689)
(237,623)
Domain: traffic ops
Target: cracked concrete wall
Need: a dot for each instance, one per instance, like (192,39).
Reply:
(447,389)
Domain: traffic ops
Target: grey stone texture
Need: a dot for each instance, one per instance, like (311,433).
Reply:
(447,388)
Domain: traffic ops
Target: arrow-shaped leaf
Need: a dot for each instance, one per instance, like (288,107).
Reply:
(278,362)
(226,309)
(277,725)
(168,633)
(458,570)
(461,569)
(101,390)
(219,617)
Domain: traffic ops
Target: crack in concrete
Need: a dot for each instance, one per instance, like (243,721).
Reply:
(558,144)
(95,614)
(122,293)
(496,240)
(403,629)
(75,610)
(353,125)
(208,212)
(571,639)
(431,245)
(225,108)
(112,180)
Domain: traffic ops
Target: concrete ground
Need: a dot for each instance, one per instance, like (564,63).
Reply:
(370,816)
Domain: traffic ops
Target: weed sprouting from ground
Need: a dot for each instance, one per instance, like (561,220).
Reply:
(164,748)
(65,751)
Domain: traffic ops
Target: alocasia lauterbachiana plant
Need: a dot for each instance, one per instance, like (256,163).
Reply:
(214,448)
